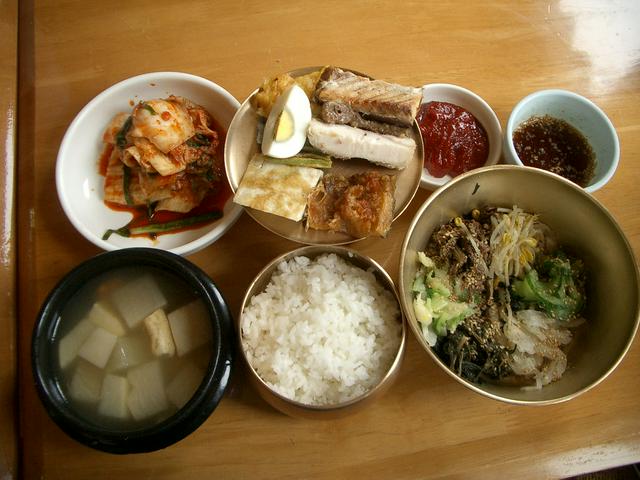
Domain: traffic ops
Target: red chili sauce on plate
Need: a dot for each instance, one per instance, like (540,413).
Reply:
(454,140)
(553,144)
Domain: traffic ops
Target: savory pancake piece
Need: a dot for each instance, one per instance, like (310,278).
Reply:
(360,205)
(278,189)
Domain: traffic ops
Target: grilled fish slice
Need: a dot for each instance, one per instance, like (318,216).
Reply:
(342,114)
(343,141)
(377,99)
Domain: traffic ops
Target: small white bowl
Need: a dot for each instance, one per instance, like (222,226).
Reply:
(445,92)
(582,114)
(80,186)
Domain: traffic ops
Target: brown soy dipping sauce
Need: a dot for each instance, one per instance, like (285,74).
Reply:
(553,144)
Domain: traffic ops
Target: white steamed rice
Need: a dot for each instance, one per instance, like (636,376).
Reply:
(323,331)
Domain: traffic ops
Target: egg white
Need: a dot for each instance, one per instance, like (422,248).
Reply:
(295,103)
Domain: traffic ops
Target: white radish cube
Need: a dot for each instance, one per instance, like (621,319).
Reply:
(147,396)
(137,299)
(113,397)
(157,326)
(184,384)
(97,347)
(129,351)
(86,383)
(70,344)
(103,317)
(190,327)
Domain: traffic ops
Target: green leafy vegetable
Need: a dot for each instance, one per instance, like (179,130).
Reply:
(126,184)
(149,109)
(121,136)
(156,228)
(556,289)
(435,306)
(303,160)
(199,140)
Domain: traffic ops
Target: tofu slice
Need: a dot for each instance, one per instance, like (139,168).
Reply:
(113,397)
(104,317)
(128,352)
(184,384)
(190,327)
(86,383)
(70,344)
(98,347)
(147,396)
(137,299)
(157,326)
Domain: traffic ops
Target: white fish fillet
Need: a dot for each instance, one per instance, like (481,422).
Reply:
(343,141)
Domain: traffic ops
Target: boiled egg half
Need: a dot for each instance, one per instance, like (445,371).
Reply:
(285,131)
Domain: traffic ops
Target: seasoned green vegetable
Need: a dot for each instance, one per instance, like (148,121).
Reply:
(121,136)
(304,160)
(127,231)
(126,184)
(435,306)
(199,140)
(556,288)
(149,108)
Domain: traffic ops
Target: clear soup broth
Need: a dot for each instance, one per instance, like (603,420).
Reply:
(132,347)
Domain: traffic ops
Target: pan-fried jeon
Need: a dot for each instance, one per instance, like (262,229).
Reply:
(276,188)
(360,205)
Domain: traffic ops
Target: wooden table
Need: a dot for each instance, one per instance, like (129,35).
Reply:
(427,426)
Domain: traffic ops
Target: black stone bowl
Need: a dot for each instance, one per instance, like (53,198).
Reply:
(44,355)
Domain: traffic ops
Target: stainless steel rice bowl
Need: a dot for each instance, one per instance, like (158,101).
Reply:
(301,409)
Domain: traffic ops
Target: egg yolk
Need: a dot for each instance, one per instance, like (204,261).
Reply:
(284,129)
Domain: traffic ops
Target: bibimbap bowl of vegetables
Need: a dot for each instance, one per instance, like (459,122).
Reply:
(506,276)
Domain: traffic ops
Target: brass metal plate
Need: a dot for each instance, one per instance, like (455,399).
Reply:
(241,145)
(582,226)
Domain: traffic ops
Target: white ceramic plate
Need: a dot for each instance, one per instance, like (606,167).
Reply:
(445,92)
(80,186)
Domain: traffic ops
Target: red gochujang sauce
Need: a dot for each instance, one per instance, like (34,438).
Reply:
(454,140)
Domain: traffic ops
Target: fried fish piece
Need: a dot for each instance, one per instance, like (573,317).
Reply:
(360,205)
(272,88)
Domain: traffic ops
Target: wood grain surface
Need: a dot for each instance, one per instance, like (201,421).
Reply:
(427,426)
(8,265)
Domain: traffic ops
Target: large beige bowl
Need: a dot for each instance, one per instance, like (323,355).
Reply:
(581,224)
(302,410)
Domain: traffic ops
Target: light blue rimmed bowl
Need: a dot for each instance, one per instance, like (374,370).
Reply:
(582,114)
